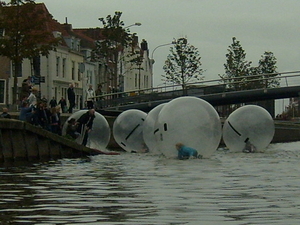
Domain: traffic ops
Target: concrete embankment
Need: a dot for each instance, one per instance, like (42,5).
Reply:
(21,141)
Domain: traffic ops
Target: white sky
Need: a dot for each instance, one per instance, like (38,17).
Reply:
(209,25)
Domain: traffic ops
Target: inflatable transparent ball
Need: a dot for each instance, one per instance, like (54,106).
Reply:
(149,129)
(248,123)
(191,121)
(128,130)
(99,136)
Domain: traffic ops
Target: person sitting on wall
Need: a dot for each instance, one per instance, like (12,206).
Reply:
(5,113)
(90,94)
(185,152)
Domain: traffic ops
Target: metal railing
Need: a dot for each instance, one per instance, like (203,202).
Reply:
(111,100)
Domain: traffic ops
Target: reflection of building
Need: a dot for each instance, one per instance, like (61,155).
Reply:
(71,62)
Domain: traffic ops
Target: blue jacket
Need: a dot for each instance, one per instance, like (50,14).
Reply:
(25,113)
(186,152)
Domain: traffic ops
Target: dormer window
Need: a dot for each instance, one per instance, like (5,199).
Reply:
(56,34)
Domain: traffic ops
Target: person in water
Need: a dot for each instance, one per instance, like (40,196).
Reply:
(185,152)
(85,124)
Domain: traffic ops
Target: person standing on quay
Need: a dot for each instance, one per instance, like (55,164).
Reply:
(32,99)
(53,103)
(71,98)
(98,93)
(63,104)
(90,94)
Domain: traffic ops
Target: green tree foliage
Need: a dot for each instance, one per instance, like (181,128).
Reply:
(268,70)
(183,65)
(239,75)
(116,37)
(236,67)
(25,34)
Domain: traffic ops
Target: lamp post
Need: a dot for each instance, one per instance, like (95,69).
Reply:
(135,24)
(172,43)
(152,59)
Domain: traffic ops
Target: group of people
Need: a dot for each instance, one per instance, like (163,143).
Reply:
(90,94)
(41,115)
(49,118)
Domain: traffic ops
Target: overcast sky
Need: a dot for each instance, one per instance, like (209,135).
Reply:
(209,25)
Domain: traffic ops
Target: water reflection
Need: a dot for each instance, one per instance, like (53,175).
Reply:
(229,188)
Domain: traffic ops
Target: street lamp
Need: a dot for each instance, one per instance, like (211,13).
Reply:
(172,43)
(152,59)
(135,24)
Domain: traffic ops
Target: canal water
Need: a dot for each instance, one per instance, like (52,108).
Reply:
(229,188)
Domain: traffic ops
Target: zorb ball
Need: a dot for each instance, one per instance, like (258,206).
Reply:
(128,130)
(149,129)
(248,123)
(191,121)
(99,136)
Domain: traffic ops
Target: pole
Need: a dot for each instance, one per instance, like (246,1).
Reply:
(159,47)
(152,59)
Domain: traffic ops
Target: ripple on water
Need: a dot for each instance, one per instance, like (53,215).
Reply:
(229,188)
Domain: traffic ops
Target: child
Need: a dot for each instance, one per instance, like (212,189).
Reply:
(186,152)
(5,114)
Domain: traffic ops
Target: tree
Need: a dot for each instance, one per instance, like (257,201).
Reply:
(236,67)
(239,75)
(116,38)
(25,34)
(183,65)
(267,68)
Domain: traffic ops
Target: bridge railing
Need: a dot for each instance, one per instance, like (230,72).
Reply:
(110,100)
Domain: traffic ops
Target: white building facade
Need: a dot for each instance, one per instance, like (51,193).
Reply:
(71,63)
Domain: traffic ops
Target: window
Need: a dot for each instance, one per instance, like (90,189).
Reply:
(72,44)
(57,66)
(73,70)
(64,67)
(36,64)
(78,74)
(18,67)
(2,91)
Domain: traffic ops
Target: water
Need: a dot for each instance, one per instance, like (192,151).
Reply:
(229,188)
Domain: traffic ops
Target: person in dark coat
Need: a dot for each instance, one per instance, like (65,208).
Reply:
(55,121)
(43,116)
(63,104)
(71,98)
(85,125)
(53,103)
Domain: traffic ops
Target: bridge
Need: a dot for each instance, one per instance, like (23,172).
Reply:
(213,91)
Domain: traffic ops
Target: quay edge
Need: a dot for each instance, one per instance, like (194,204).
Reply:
(285,130)
(21,141)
